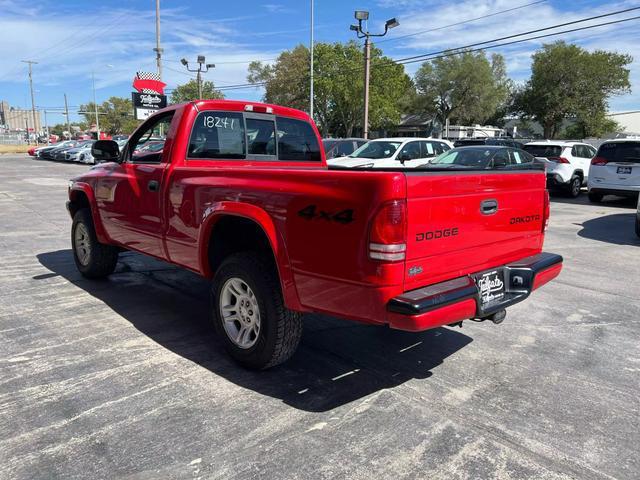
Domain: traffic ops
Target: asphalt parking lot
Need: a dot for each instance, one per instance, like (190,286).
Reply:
(124,379)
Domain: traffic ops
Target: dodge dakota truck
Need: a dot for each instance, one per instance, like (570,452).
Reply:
(241,194)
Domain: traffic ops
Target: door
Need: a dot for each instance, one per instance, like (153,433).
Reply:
(581,158)
(130,197)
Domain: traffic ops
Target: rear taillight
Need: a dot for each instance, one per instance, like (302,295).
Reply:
(599,161)
(387,238)
(559,159)
(545,211)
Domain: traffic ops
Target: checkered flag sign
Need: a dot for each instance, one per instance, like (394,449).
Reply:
(145,82)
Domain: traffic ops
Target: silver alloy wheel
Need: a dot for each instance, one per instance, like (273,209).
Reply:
(576,185)
(240,312)
(81,243)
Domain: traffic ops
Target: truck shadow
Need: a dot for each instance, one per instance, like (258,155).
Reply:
(618,229)
(337,361)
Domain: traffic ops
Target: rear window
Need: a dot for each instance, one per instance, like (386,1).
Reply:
(297,141)
(543,150)
(620,152)
(217,135)
(464,143)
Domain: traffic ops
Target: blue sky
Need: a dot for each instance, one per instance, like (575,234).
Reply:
(114,39)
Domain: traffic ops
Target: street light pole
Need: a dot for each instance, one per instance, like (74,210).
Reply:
(363,16)
(95,104)
(199,71)
(311,68)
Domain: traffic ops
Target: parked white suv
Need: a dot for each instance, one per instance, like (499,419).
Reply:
(567,163)
(615,170)
(394,152)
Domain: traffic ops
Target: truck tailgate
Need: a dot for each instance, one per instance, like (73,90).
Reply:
(465,222)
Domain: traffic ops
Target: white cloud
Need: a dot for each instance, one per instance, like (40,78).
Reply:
(416,18)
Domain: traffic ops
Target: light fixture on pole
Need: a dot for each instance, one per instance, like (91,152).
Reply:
(363,15)
(201,61)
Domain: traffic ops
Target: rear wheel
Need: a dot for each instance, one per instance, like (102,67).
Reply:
(249,313)
(93,259)
(575,185)
(638,225)
(595,197)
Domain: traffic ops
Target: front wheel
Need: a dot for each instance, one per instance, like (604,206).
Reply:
(93,259)
(249,313)
(638,226)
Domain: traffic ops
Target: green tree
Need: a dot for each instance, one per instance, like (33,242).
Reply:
(570,82)
(189,91)
(338,85)
(115,115)
(465,87)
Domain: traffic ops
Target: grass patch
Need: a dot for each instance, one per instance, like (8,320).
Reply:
(14,148)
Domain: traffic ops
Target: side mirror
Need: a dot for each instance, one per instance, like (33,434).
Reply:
(404,157)
(106,151)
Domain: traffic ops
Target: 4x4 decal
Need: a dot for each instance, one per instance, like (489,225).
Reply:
(312,212)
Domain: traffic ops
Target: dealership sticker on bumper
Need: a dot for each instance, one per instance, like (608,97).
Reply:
(491,286)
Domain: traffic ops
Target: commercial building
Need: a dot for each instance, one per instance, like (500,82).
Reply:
(15,119)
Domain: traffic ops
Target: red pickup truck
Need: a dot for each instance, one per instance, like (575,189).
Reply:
(241,194)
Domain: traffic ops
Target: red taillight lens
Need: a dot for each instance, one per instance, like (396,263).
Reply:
(387,239)
(559,159)
(546,210)
(599,161)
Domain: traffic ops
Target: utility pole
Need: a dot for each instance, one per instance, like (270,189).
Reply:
(363,16)
(311,70)
(201,61)
(46,126)
(33,102)
(158,50)
(66,112)
(95,104)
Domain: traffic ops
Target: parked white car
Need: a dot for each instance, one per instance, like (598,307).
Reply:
(394,152)
(567,163)
(615,170)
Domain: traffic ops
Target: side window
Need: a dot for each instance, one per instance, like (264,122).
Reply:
(516,156)
(576,151)
(501,158)
(261,134)
(410,151)
(429,149)
(217,135)
(147,145)
(297,141)
(344,148)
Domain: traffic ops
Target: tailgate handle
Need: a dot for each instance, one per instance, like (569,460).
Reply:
(489,207)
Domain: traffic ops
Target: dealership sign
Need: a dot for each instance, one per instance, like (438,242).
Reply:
(149,97)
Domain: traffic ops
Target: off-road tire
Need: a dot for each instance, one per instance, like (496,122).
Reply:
(102,258)
(280,328)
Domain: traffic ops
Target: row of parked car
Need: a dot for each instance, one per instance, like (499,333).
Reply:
(70,151)
(613,169)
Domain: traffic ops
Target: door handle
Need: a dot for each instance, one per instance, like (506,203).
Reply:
(153,185)
(488,207)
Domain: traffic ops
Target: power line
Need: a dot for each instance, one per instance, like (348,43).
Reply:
(402,60)
(457,51)
(462,22)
